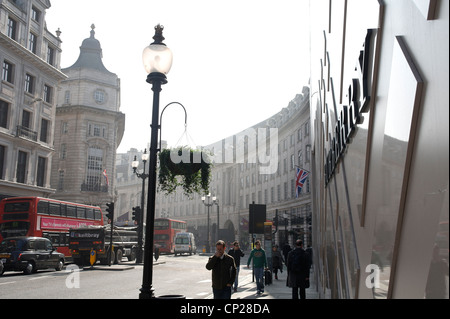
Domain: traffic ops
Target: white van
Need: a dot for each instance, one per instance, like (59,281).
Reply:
(185,243)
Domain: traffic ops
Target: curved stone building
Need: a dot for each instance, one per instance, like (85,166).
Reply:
(245,172)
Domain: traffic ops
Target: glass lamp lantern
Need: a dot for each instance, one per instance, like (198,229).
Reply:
(157,57)
(135,164)
(145,156)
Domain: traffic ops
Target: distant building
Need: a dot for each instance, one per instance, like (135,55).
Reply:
(238,181)
(30,58)
(89,127)
(128,185)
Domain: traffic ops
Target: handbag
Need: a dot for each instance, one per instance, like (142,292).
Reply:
(307,283)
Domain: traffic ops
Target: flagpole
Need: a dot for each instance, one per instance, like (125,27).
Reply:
(302,168)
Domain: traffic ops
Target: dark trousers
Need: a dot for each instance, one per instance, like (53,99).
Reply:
(295,292)
(224,293)
(275,270)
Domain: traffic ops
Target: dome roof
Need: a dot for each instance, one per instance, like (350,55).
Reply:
(90,54)
(91,42)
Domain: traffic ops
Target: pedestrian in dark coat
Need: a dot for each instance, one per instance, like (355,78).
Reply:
(277,261)
(223,272)
(298,270)
(236,253)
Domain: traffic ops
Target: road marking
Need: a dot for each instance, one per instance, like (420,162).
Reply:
(7,283)
(40,277)
(202,281)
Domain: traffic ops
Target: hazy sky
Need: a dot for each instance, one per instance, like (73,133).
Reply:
(236,62)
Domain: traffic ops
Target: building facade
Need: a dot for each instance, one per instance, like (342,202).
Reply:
(380,148)
(129,186)
(245,172)
(88,129)
(30,57)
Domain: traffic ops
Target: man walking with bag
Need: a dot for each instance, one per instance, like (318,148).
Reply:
(259,263)
(298,265)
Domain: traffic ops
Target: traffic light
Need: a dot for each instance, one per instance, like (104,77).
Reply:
(110,210)
(137,213)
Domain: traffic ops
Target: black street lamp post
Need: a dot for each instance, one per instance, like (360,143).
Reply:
(286,221)
(157,60)
(218,223)
(143,176)
(208,204)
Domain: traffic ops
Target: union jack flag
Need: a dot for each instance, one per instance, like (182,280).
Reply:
(302,175)
(106,177)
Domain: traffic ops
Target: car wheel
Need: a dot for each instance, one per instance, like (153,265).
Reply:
(60,265)
(113,256)
(132,256)
(30,268)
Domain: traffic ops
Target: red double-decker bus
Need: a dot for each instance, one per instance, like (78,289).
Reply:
(45,217)
(164,234)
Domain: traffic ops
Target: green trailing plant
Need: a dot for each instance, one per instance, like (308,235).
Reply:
(184,167)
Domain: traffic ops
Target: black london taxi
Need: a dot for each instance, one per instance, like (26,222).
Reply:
(29,254)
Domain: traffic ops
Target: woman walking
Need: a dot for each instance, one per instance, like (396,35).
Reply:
(277,261)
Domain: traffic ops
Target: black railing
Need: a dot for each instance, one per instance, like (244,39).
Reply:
(25,132)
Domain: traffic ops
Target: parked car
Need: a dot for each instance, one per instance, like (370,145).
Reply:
(29,254)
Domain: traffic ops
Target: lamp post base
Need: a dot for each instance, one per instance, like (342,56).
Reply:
(147,293)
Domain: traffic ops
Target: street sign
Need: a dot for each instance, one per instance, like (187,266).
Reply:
(92,257)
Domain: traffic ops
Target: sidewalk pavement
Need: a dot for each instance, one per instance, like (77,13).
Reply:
(277,290)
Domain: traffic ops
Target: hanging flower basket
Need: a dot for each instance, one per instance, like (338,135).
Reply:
(184,167)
